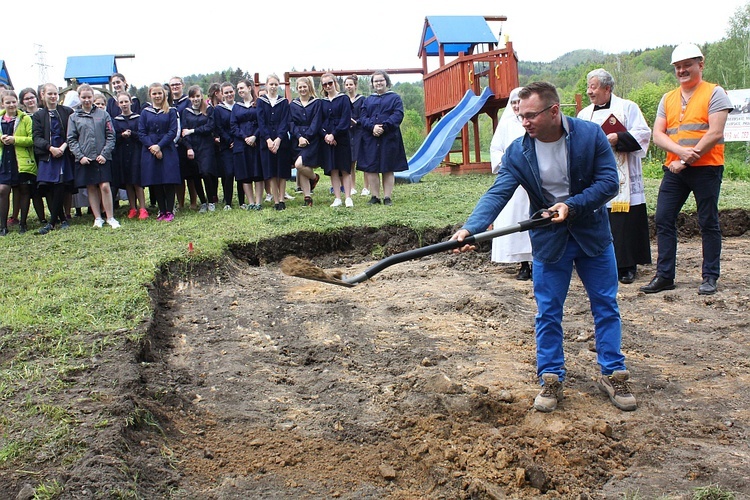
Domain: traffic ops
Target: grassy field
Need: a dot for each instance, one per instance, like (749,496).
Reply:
(87,280)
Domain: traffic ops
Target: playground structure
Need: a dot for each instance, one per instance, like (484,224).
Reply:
(93,70)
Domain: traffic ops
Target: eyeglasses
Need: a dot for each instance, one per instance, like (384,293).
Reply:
(531,116)
(327,84)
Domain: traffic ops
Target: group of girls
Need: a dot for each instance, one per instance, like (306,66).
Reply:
(51,149)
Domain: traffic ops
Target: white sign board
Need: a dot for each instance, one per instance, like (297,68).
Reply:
(738,121)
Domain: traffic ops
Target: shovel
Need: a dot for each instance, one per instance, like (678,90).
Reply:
(294,266)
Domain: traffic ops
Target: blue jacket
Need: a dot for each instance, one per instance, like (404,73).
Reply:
(593,181)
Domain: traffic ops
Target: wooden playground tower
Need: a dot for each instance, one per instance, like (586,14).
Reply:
(479,62)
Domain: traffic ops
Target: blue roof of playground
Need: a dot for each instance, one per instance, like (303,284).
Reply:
(94,70)
(455,33)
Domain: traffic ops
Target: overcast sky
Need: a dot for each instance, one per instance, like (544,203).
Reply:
(300,35)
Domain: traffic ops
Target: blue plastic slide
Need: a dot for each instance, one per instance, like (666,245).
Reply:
(439,141)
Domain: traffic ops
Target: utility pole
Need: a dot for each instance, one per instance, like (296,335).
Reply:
(41,63)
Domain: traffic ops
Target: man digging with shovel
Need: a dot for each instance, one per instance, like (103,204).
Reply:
(566,166)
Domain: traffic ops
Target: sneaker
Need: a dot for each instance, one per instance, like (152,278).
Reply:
(387,201)
(365,192)
(46,229)
(374,201)
(269,198)
(22,229)
(243,206)
(203,209)
(160,216)
(551,394)
(168,217)
(227,207)
(212,207)
(12,221)
(336,202)
(298,190)
(349,203)
(616,387)
(308,201)
(64,224)
(3,231)
(330,190)
(143,214)
(258,207)
(282,205)
(113,223)
(288,196)
(314,182)
(132,213)
(99,222)
(354,191)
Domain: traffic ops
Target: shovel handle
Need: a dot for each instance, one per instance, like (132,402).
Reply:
(536,221)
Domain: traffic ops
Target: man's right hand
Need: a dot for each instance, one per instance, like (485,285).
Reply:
(460,235)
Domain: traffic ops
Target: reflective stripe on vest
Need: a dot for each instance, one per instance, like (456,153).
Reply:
(687,127)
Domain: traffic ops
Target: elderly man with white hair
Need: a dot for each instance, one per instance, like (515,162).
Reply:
(629,135)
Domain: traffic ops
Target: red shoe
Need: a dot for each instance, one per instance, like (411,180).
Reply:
(143,214)
(314,182)
(132,213)
(12,221)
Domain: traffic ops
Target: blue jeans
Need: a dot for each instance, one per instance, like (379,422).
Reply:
(705,184)
(551,283)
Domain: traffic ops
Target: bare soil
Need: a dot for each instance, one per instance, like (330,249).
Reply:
(418,383)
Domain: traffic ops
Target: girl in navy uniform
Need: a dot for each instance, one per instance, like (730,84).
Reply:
(305,129)
(336,153)
(355,131)
(119,84)
(223,130)
(127,155)
(381,150)
(54,161)
(197,123)
(275,147)
(160,165)
(244,125)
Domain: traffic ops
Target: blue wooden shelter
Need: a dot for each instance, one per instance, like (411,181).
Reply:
(94,70)
(4,76)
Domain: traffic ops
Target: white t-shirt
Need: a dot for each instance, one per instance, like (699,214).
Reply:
(552,158)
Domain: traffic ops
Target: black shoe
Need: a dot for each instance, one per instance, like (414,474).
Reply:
(64,225)
(3,231)
(627,276)
(46,229)
(22,229)
(308,201)
(708,287)
(658,284)
(314,182)
(374,201)
(282,205)
(277,206)
(387,201)
(524,274)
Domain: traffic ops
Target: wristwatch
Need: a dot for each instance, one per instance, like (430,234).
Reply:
(684,163)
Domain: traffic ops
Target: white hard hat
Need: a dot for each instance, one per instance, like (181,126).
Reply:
(686,51)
